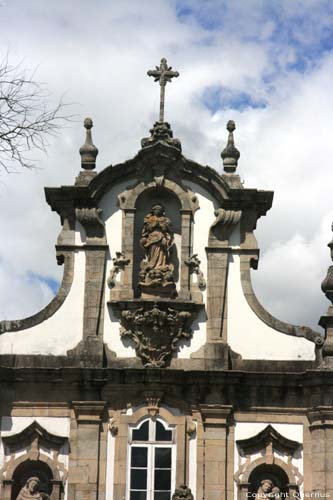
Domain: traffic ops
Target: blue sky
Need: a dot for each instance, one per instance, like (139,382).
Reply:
(266,64)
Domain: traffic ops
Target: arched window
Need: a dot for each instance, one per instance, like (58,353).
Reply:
(151,474)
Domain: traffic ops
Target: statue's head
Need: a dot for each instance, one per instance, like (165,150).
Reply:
(157,210)
(33,484)
(266,485)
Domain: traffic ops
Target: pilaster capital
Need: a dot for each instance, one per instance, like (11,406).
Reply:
(88,412)
(320,417)
(214,415)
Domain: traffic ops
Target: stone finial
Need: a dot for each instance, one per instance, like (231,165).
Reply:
(230,154)
(88,151)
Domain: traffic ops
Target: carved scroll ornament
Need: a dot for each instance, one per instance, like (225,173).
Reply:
(155,332)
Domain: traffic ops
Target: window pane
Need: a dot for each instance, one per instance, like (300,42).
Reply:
(139,457)
(138,495)
(161,495)
(138,479)
(162,434)
(163,458)
(141,434)
(162,480)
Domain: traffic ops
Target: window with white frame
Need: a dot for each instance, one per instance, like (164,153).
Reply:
(151,474)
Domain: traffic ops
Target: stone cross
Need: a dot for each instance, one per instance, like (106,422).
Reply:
(162,74)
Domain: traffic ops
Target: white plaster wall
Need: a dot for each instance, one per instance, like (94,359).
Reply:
(192,461)
(247,334)
(59,333)
(110,466)
(112,217)
(203,219)
(245,430)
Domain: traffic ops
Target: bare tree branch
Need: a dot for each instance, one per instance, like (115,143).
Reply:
(26,120)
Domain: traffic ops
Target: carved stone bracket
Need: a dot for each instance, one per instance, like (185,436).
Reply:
(92,223)
(155,327)
(224,223)
(153,403)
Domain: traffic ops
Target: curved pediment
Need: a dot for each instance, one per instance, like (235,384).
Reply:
(267,437)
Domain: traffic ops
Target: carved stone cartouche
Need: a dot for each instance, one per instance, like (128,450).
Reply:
(156,271)
(155,332)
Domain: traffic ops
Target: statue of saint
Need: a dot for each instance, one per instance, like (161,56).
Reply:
(156,274)
(31,490)
(267,490)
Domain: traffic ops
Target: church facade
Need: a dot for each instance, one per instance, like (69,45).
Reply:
(155,373)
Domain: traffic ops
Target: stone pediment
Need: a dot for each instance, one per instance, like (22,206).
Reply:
(267,437)
(34,433)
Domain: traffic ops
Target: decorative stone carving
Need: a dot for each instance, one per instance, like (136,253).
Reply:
(230,155)
(156,274)
(91,221)
(161,132)
(31,489)
(194,265)
(183,492)
(190,428)
(119,263)
(327,284)
(268,447)
(155,332)
(224,223)
(267,490)
(153,404)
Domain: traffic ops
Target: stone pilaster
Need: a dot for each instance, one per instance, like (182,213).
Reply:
(84,470)
(217,481)
(321,429)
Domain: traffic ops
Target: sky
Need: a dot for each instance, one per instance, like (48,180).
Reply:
(268,65)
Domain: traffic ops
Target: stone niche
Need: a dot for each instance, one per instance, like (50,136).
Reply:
(34,453)
(267,467)
(155,297)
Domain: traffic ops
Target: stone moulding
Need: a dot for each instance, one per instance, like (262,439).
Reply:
(63,256)
(155,327)
(294,330)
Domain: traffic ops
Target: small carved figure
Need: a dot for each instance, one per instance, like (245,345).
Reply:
(267,490)
(156,275)
(31,489)
(119,263)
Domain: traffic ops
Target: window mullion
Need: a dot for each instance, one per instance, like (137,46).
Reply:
(150,492)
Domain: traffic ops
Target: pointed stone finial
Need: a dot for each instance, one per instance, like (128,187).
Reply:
(230,154)
(88,151)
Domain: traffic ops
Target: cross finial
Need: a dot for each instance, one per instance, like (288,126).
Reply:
(162,74)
